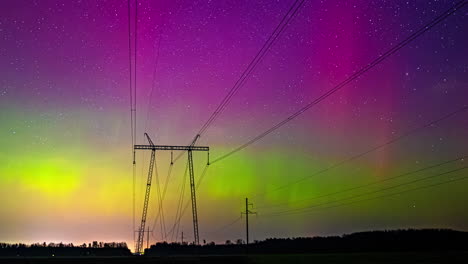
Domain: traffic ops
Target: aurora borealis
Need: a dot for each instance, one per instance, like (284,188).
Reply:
(65,158)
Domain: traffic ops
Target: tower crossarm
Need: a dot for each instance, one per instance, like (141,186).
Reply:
(168,147)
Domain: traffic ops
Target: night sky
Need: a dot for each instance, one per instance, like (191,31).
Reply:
(65,157)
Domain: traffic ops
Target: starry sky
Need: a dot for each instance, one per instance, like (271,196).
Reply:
(65,157)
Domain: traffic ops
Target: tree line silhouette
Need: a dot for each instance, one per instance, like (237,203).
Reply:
(371,241)
(64,249)
(409,240)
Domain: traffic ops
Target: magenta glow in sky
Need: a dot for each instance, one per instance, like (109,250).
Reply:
(65,171)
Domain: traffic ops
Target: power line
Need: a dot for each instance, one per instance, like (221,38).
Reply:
(160,213)
(181,201)
(133,101)
(401,192)
(222,228)
(181,194)
(202,175)
(130,73)
(308,208)
(258,57)
(388,195)
(163,194)
(161,209)
(373,183)
(375,148)
(135,71)
(150,99)
(226,226)
(240,82)
(429,124)
(131,112)
(156,63)
(353,77)
(252,65)
(178,219)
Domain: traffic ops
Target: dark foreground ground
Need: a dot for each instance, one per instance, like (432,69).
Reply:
(337,258)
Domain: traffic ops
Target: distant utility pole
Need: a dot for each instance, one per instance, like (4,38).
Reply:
(182,237)
(147,237)
(247,212)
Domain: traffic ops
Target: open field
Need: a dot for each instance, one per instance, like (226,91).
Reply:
(338,258)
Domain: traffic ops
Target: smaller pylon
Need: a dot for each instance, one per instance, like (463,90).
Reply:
(247,212)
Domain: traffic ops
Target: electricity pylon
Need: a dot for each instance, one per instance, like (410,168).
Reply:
(153,148)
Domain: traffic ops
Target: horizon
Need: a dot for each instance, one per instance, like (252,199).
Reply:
(234,240)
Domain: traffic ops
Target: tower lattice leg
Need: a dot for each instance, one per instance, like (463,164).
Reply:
(194,199)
